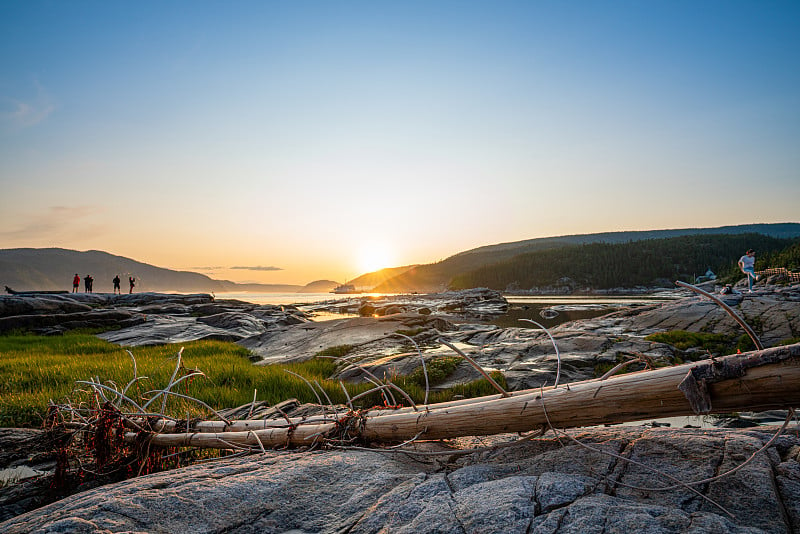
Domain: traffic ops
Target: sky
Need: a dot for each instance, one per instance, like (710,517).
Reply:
(292,141)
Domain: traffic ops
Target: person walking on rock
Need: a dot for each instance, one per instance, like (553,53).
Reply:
(131,281)
(76,283)
(117,289)
(747,265)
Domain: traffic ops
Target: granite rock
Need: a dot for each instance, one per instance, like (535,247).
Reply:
(541,485)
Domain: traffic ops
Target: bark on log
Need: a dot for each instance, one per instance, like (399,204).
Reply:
(760,380)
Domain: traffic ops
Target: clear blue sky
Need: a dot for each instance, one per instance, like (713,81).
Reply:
(321,139)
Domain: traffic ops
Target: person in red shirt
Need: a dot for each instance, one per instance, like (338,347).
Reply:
(76,282)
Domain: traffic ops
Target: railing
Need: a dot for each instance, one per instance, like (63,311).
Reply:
(793,277)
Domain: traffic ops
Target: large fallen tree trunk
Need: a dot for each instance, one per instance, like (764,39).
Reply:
(754,381)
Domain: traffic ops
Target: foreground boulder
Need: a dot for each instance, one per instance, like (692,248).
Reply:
(542,485)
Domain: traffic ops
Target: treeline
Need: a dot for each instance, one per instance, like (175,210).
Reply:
(654,262)
(788,258)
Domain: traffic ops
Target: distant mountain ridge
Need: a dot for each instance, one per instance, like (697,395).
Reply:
(436,276)
(53,268)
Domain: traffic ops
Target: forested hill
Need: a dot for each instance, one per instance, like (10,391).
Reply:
(651,262)
(437,276)
(779,230)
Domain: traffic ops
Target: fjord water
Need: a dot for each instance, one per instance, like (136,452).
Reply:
(281,299)
(567,307)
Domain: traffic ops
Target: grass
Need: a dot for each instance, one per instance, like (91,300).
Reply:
(36,369)
(716,344)
(438,370)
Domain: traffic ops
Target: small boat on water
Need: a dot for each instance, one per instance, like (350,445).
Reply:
(345,289)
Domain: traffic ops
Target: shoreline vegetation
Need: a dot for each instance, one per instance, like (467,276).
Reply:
(37,369)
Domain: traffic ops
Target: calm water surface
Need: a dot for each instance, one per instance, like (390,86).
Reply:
(566,307)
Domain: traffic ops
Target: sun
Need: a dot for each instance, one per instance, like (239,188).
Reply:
(374,256)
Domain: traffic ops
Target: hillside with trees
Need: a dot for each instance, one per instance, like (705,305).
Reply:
(438,276)
(651,262)
(788,258)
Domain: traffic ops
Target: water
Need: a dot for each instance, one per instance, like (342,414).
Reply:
(281,299)
(550,311)
(566,307)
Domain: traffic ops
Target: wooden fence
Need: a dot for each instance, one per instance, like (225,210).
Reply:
(793,277)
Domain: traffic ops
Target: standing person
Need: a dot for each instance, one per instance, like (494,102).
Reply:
(747,265)
(76,283)
(87,283)
(131,281)
(91,284)
(116,285)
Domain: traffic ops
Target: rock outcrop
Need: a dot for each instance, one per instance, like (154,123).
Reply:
(606,481)
(144,318)
(526,355)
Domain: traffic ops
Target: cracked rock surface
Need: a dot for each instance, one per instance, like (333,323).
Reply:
(541,486)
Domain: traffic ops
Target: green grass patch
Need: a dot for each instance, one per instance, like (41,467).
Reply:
(438,371)
(716,344)
(36,369)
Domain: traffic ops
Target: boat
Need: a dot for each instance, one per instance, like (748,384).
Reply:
(345,289)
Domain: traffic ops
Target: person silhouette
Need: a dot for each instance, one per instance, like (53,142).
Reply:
(116,281)
(87,283)
(131,281)
(747,265)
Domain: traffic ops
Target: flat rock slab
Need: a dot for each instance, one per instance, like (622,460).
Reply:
(303,341)
(540,485)
(774,311)
(163,329)
(476,302)
(33,304)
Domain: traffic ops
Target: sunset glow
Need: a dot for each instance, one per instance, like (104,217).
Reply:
(261,140)
(375,256)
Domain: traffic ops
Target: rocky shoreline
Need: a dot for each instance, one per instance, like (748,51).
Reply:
(601,480)
(605,479)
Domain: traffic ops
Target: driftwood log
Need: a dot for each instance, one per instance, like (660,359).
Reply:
(755,381)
